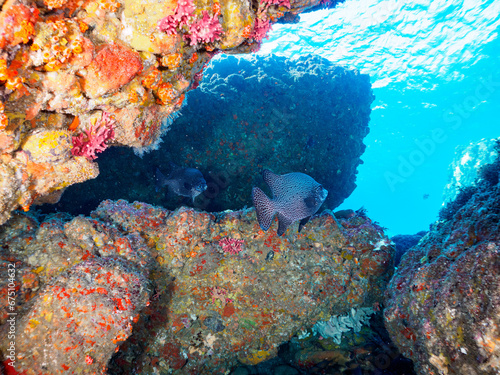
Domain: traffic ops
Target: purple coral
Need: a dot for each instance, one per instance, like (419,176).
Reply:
(231,245)
(94,139)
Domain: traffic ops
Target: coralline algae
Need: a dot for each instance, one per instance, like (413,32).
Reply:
(62,62)
(443,303)
(160,284)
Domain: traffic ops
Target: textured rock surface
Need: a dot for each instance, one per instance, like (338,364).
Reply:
(248,115)
(208,309)
(404,242)
(64,61)
(443,303)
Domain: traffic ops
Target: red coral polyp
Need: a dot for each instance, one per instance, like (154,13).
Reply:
(95,139)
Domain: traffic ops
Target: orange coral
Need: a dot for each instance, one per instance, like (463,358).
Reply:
(133,97)
(61,45)
(10,76)
(83,26)
(166,93)
(54,4)
(216,9)
(193,58)
(26,30)
(172,61)
(17,24)
(152,79)
(4,121)
(247,31)
(109,5)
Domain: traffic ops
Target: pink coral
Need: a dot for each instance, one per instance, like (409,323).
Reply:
(260,29)
(168,25)
(231,245)
(285,3)
(206,30)
(94,139)
(181,16)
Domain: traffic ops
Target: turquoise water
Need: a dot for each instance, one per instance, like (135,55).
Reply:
(435,71)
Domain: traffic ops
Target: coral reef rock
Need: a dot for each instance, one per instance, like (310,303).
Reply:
(443,303)
(182,291)
(247,115)
(404,242)
(62,62)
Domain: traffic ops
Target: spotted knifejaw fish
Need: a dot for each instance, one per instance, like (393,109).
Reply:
(296,196)
(188,182)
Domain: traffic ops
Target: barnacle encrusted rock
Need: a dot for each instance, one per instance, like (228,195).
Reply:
(443,303)
(210,307)
(63,59)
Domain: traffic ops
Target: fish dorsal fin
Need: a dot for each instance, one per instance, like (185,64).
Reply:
(303,222)
(274,181)
(284,223)
(264,208)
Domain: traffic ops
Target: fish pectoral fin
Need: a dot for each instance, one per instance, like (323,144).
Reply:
(188,186)
(284,223)
(303,222)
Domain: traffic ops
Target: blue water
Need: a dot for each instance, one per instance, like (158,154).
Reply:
(435,71)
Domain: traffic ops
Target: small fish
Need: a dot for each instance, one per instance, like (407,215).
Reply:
(296,196)
(188,182)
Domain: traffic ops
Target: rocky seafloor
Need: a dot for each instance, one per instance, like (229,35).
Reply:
(135,288)
(183,291)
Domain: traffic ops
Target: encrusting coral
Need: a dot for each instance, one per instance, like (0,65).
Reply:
(63,62)
(443,303)
(181,292)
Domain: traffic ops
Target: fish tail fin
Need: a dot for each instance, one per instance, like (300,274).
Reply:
(264,208)
(160,180)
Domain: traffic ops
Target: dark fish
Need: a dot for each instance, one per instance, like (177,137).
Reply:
(296,196)
(188,182)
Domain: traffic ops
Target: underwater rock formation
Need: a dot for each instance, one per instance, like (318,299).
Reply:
(202,292)
(404,242)
(465,169)
(247,115)
(63,63)
(443,303)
